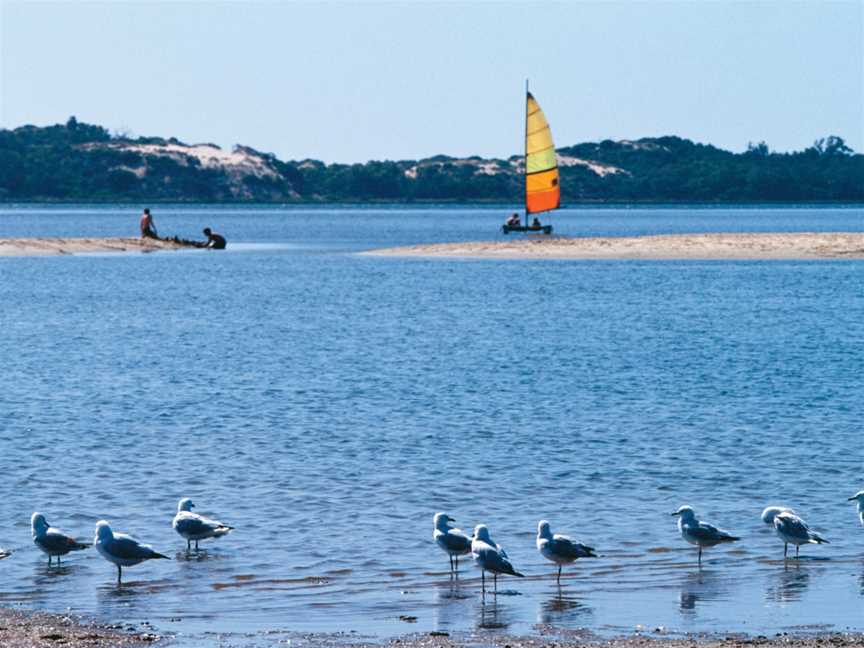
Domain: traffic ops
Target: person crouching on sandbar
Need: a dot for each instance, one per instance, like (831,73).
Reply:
(214,241)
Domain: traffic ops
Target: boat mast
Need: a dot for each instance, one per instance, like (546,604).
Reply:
(525,178)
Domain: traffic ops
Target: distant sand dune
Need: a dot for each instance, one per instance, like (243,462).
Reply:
(767,245)
(55,246)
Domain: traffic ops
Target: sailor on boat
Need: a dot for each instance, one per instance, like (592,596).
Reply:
(535,224)
(513,221)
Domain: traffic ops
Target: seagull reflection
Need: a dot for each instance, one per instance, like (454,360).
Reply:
(700,585)
(562,607)
(450,606)
(450,591)
(788,584)
(493,616)
(861,580)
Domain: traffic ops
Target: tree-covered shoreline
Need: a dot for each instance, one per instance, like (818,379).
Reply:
(78,162)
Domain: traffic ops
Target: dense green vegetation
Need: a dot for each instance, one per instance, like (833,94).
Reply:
(83,162)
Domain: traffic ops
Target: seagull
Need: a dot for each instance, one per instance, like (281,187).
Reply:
(50,540)
(699,533)
(196,527)
(793,530)
(770,512)
(121,549)
(859,497)
(560,549)
(4,553)
(489,556)
(453,541)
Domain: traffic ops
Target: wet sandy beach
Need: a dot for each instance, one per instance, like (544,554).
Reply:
(741,246)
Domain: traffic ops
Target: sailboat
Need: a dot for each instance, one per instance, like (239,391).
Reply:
(542,190)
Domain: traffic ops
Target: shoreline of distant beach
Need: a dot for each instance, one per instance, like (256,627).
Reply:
(57,246)
(696,247)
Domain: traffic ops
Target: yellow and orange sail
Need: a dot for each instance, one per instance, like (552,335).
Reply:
(542,191)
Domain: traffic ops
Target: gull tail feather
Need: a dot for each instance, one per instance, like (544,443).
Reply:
(156,554)
(729,538)
(815,538)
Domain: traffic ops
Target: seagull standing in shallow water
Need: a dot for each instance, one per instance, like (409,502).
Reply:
(560,549)
(121,549)
(50,540)
(196,527)
(489,556)
(699,533)
(454,541)
(793,530)
(859,497)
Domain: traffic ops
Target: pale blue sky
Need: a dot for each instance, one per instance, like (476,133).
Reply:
(356,81)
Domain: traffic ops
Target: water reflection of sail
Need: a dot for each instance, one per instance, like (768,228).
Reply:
(789,584)
(562,607)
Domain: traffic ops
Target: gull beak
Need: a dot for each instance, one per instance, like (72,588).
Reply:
(851,499)
(674,513)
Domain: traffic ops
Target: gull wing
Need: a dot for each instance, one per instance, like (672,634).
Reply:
(453,540)
(491,559)
(795,527)
(195,525)
(129,548)
(55,541)
(709,534)
(566,546)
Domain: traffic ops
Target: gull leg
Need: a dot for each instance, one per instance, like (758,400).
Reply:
(188,546)
(196,546)
(785,550)
(119,574)
(456,560)
(49,560)
(495,580)
(559,574)
(700,555)
(483,580)
(797,549)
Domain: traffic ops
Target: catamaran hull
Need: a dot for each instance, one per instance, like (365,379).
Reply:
(545,229)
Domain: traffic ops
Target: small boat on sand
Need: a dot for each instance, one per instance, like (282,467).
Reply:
(542,190)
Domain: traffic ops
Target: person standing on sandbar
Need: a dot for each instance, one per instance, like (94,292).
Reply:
(148,227)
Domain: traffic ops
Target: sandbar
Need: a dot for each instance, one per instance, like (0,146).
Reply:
(733,246)
(47,246)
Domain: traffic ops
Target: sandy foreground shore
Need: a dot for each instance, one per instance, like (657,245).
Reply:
(767,245)
(22,628)
(25,629)
(55,246)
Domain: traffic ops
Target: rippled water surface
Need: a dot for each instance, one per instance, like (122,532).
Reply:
(327,404)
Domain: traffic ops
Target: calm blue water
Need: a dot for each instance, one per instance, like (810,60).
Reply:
(327,404)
